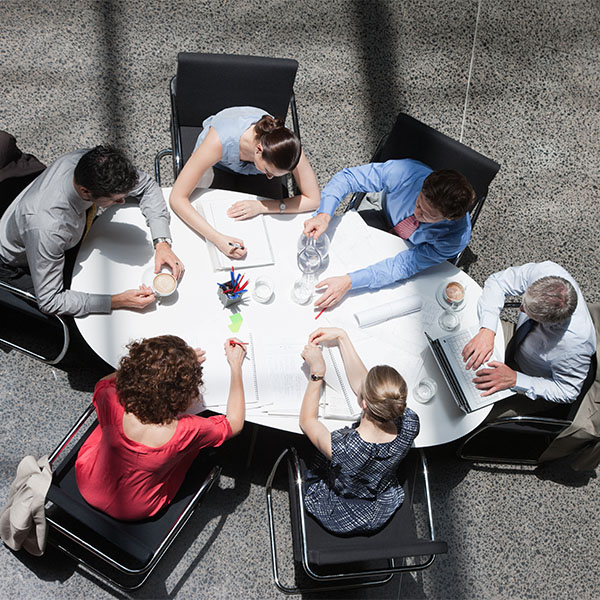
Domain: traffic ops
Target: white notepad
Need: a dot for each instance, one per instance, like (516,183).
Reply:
(213,206)
(339,399)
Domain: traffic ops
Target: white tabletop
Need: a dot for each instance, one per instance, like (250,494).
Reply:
(117,255)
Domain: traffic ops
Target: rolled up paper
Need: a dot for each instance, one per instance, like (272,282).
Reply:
(383,312)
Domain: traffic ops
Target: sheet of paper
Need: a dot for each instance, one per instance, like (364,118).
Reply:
(282,376)
(252,231)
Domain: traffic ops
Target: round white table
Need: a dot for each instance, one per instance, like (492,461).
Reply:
(117,255)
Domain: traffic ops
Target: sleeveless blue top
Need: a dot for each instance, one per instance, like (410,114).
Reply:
(230,124)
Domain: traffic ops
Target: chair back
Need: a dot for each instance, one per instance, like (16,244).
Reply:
(207,83)
(410,138)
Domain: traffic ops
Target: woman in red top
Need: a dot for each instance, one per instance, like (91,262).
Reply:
(134,462)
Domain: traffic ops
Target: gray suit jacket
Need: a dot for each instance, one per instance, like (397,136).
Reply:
(583,435)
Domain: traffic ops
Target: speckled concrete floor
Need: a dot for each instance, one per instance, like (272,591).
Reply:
(517,80)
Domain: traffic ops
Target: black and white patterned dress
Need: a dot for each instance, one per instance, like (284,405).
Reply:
(358,491)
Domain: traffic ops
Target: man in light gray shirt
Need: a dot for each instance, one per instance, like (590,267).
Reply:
(48,218)
(554,341)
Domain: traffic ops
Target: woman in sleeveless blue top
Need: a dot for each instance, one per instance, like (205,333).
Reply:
(245,140)
(352,486)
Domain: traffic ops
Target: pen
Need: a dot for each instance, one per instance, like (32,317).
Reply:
(242,344)
(238,282)
(231,275)
(320,314)
(236,245)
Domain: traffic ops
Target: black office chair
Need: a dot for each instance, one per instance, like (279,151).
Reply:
(49,341)
(122,552)
(343,562)
(206,84)
(535,439)
(410,138)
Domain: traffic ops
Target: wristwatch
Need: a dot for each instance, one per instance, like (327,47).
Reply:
(314,377)
(282,208)
(158,240)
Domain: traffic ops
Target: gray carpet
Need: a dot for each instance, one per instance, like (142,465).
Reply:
(516,80)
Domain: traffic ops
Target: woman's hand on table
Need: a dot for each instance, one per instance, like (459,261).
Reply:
(230,246)
(235,351)
(163,255)
(244,209)
(200,355)
(337,288)
(325,334)
(137,299)
(316,226)
(313,355)
(479,349)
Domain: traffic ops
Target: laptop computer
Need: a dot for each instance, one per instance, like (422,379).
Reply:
(447,353)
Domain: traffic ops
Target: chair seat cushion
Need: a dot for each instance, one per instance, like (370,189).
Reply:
(138,539)
(397,539)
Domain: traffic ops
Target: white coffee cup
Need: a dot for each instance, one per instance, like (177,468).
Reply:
(164,284)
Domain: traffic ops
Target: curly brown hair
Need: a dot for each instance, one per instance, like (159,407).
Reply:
(159,379)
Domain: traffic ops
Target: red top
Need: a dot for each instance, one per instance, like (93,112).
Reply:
(129,480)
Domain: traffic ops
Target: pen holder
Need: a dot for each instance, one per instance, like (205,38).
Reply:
(226,299)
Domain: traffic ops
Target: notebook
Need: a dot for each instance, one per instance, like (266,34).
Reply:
(253,231)
(339,401)
(273,375)
(447,351)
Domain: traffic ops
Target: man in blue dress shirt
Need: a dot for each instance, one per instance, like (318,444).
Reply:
(428,208)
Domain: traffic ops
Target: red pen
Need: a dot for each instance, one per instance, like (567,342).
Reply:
(320,314)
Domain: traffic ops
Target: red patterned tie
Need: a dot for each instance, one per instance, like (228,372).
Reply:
(406,228)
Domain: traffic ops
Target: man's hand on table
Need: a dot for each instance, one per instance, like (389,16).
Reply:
(137,299)
(494,378)
(479,349)
(337,288)
(316,226)
(163,255)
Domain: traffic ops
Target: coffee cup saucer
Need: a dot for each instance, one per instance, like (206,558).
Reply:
(439,296)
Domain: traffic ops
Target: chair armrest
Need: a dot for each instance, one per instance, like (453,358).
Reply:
(159,156)
(91,409)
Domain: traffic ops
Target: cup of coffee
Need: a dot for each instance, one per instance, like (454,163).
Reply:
(164,284)
(454,294)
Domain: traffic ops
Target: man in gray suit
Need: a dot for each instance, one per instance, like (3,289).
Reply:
(52,215)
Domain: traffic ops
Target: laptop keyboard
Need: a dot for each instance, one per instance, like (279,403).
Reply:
(454,347)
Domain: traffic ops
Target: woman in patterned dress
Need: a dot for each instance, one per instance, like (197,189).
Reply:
(353,487)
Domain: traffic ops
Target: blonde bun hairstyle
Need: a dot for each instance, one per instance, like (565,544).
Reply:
(384,392)
(281,146)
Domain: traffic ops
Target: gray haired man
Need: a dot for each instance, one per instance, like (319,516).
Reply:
(549,354)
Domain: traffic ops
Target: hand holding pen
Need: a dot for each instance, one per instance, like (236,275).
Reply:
(235,350)
(231,246)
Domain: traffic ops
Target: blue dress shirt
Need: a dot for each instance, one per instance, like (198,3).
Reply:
(400,181)
(553,360)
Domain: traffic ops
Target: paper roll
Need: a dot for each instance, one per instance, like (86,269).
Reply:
(397,308)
